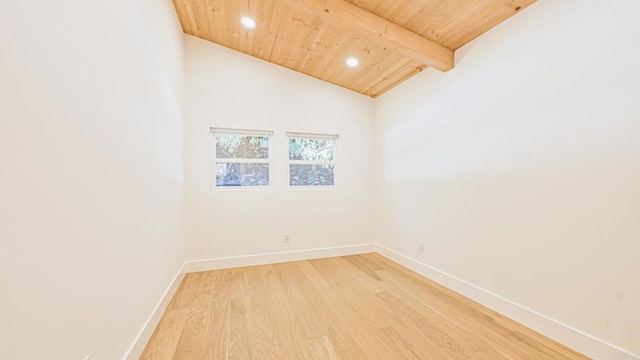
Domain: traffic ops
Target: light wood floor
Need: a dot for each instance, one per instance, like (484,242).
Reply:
(353,307)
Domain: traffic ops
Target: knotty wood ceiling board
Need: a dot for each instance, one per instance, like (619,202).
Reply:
(393,39)
(452,23)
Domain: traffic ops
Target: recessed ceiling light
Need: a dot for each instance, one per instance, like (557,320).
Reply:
(352,62)
(248,22)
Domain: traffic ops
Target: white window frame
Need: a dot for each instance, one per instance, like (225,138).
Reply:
(335,162)
(214,157)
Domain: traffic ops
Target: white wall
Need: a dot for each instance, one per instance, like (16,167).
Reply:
(228,89)
(520,168)
(91,175)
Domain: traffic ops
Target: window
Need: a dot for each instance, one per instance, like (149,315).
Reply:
(312,159)
(241,158)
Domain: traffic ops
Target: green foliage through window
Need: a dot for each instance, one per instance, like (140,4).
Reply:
(311,161)
(241,159)
(311,149)
(230,146)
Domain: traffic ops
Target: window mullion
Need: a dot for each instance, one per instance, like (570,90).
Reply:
(318,173)
(241,172)
(242,161)
(305,162)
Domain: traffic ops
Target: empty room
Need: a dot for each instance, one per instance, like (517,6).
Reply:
(319,179)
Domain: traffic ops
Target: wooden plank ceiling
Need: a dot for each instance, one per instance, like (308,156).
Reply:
(392,39)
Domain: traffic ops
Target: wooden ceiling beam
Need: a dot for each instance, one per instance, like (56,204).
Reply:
(379,29)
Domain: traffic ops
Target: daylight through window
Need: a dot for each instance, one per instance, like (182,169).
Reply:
(312,159)
(241,158)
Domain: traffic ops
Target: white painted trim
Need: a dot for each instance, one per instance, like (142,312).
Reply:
(274,258)
(136,349)
(576,339)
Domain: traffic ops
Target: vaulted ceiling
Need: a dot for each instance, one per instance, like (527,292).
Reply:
(392,39)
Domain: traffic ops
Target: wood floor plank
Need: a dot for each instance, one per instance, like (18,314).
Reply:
(310,272)
(217,341)
(164,340)
(236,277)
(400,347)
(441,335)
(354,324)
(306,320)
(238,347)
(191,343)
(338,333)
(364,265)
(294,323)
(322,349)
(184,295)
(217,338)
(336,273)
(352,307)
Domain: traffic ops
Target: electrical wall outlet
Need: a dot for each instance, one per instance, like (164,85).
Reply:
(287,238)
(420,247)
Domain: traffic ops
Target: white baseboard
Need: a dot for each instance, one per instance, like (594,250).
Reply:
(274,258)
(578,340)
(136,349)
